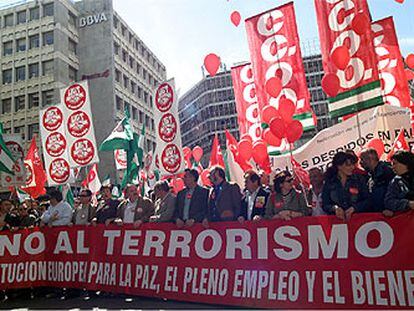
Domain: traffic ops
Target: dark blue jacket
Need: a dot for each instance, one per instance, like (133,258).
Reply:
(378,185)
(355,194)
(400,192)
(257,208)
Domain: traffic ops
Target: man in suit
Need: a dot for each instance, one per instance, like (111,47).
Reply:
(225,198)
(134,209)
(254,201)
(191,203)
(164,203)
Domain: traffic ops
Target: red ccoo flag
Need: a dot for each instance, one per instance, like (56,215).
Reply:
(399,144)
(300,173)
(35,172)
(216,157)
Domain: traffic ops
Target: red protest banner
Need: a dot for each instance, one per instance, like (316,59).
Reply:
(311,262)
(359,87)
(390,63)
(275,52)
(248,115)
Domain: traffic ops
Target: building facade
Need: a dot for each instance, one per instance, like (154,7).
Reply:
(209,107)
(48,44)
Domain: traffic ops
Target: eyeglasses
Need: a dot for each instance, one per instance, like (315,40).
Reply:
(289,180)
(83,196)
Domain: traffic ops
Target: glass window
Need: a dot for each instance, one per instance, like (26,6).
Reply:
(126,82)
(131,62)
(123,30)
(33,129)
(72,46)
(33,70)
(133,87)
(6,105)
(134,113)
(34,14)
(73,74)
(21,17)
(141,117)
(19,130)
(47,67)
(116,22)
(47,97)
(19,103)
(117,75)
(7,48)
(21,45)
(124,55)
(20,73)
(33,100)
(72,19)
(116,48)
(33,41)
(118,103)
(48,38)
(7,76)
(8,20)
(48,9)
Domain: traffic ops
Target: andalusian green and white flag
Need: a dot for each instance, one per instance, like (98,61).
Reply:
(6,158)
(364,97)
(119,138)
(67,194)
(307,120)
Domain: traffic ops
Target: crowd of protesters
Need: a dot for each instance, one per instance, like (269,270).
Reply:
(344,189)
(349,185)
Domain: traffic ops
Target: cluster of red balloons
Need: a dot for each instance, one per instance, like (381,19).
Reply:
(257,150)
(341,57)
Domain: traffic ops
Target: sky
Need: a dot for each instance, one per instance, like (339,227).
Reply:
(182,32)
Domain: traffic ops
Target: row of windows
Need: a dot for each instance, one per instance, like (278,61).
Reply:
(22,103)
(31,71)
(134,65)
(138,46)
(32,129)
(26,15)
(133,87)
(32,42)
(140,116)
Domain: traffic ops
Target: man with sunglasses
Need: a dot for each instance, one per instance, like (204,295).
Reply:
(85,212)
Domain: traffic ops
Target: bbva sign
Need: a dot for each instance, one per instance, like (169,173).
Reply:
(92,19)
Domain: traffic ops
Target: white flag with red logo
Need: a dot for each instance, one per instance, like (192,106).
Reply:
(399,144)
(35,173)
(358,86)
(169,150)
(275,52)
(78,120)
(92,181)
(248,115)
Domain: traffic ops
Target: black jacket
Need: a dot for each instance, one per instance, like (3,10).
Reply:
(198,205)
(258,209)
(378,185)
(400,192)
(355,194)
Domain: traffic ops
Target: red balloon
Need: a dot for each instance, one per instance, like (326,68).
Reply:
(197,153)
(212,63)
(235,18)
(378,145)
(268,113)
(277,127)
(341,57)
(286,109)
(187,153)
(273,86)
(361,23)
(245,148)
(260,152)
(247,136)
(204,177)
(294,131)
(177,185)
(409,74)
(409,60)
(271,139)
(330,84)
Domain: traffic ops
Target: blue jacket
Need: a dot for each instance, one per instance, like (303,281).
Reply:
(400,192)
(378,183)
(355,194)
